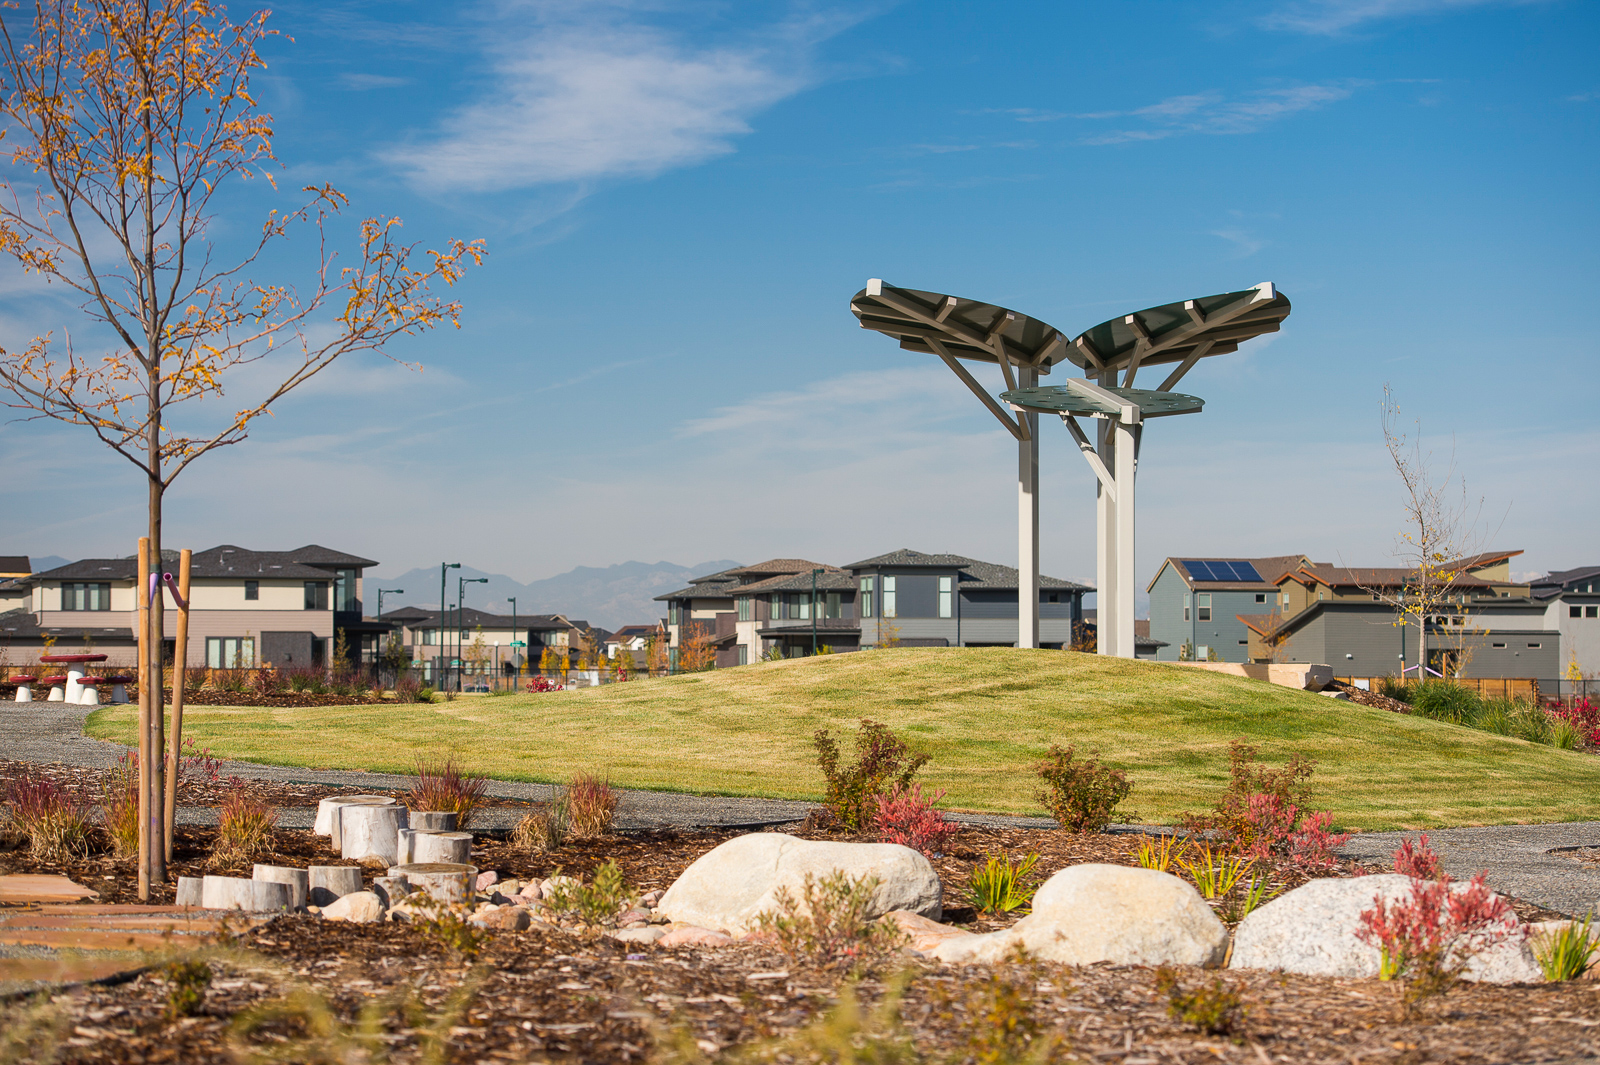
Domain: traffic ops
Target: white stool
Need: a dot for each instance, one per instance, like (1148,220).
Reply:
(90,696)
(24,688)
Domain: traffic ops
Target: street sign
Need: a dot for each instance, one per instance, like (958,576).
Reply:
(519,643)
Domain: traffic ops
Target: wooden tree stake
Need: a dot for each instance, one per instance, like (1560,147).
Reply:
(180,665)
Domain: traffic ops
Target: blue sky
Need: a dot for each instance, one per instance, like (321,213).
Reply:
(658,360)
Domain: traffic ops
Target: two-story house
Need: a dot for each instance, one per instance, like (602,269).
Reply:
(905,598)
(246,607)
(1572,609)
(1195,603)
(1488,626)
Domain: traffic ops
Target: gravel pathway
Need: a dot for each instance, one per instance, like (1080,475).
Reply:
(1531,862)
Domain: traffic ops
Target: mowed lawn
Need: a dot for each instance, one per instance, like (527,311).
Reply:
(986,714)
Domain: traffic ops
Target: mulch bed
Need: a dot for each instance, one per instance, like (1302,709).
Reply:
(551,996)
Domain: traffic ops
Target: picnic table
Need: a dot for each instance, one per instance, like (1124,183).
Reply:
(75,668)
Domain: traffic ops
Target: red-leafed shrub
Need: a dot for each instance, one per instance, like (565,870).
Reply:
(1279,831)
(908,817)
(545,684)
(591,806)
(1418,860)
(244,827)
(1430,936)
(54,821)
(444,786)
(1584,716)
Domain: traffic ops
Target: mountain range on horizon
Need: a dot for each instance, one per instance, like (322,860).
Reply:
(608,597)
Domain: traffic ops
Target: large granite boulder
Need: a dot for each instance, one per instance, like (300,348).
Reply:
(728,887)
(1093,913)
(1312,930)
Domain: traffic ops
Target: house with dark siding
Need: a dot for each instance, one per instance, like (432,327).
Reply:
(904,598)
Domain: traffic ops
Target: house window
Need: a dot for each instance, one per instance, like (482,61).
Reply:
(1186,606)
(801,607)
(1574,611)
(1535,646)
(80,595)
(831,605)
(744,649)
(1202,604)
(1500,645)
(866,597)
(344,590)
(947,594)
(889,608)
(1261,597)
(316,595)
(1590,611)
(252,590)
(230,652)
(775,608)
(745,613)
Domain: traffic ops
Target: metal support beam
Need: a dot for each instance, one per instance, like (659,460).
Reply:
(1103,475)
(1028,521)
(1014,428)
(1124,529)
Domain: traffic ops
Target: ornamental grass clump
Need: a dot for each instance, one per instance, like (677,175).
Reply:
(1001,885)
(119,804)
(1081,795)
(830,924)
(591,806)
(444,787)
(244,827)
(1568,952)
(545,827)
(909,818)
(54,821)
(882,761)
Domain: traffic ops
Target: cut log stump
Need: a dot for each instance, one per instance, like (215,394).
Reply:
(327,822)
(371,832)
(448,882)
(299,881)
(418,846)
(330,882)
(434,820)
(238,893)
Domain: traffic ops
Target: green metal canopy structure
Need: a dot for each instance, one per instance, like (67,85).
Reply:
(957,329)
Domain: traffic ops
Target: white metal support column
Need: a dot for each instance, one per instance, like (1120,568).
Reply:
(1028,521)
(1105,562)
(1126,426)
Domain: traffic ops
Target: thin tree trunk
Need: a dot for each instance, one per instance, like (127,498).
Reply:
(156,825)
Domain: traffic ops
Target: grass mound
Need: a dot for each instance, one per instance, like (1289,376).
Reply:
(986,714)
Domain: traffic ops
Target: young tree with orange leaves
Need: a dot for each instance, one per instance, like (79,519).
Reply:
(127,118)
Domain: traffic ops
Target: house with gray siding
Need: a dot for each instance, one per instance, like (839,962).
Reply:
(1572,608)
(1489,626)
(905,598)
(1195,604)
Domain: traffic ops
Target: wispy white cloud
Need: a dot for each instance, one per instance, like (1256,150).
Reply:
(1337,16)
(588,91)
(1212,113)
(1245,243)
(365,82)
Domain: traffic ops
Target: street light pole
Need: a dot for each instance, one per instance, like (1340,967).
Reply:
(514,637)
(387,591)
(443,566)
(461,591)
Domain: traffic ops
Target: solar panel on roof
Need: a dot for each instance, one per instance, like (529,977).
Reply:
(1221,570)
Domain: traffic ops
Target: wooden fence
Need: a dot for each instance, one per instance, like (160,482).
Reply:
(1488,687)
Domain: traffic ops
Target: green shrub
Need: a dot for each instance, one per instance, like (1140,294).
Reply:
(1394,688)
(595,903)
(1000,885)
(1081,795)
(830,923)
(1211,1009)
(882,760)
(1563,734)
(187,980)
(1442,700)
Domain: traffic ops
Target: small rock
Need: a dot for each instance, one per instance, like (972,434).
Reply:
(558,881)
(486,880)
(925,935)
(530,891)
(360,907)
(693,936)
(631,916)
(649,899)
(505,918)
(313,909)
(646,934)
